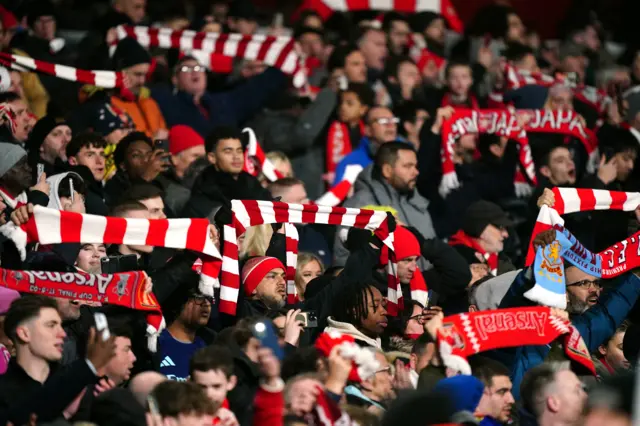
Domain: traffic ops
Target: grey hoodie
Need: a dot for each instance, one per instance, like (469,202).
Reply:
(412,209)
(54,182)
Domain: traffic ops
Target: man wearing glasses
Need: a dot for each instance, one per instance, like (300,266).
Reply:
(381,126)
(583,290)
(187,313)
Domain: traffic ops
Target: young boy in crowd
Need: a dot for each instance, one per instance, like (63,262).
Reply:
(211,368)
(345,133)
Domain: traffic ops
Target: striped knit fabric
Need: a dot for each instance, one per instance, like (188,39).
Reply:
(50,226)
(8,117)
(105,79)
(291,242)
(326,8)
(334,196)
(255,212)
(572,200)
(278,52)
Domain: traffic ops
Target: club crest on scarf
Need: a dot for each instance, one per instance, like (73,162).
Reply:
(551,265)
(452,336)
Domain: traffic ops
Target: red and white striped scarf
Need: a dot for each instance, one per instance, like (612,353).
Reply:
(8,117)
(50,226)
(334,196)
(467,334)
(505,123)
(248,213)
(278,52)
(517,78)
(326,8)
(572,200)
(339,143)
(104,79)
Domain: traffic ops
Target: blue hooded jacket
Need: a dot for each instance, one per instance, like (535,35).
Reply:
(596,325)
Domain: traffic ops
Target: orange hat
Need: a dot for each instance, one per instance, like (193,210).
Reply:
(183,137)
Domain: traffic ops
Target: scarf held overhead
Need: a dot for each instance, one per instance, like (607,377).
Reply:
(507,123)
(126,289)
(467,334)
(550,286)
(248,213)
(572,200)
(50,226)
(278,52)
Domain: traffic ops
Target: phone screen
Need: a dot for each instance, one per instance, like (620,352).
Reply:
(264,331)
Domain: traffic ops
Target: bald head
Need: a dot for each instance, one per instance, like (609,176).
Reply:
(142,385)
(134,9)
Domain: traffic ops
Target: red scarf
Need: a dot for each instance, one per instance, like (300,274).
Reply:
(460,238)
(467,334)
(339,143)
(123,289)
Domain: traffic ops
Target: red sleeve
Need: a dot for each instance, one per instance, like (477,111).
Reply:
(268,407)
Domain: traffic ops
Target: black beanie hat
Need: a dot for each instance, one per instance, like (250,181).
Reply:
(40,8)
(40,131)
(129,53)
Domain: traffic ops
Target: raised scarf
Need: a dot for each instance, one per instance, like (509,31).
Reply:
(339,143)
(460,238)
(550,287)
(105,79)
(326,8)
(8,117)
(50,226)
(278,52)
(505,123)
(334,196)
(572,200)
(246,213)
(467,334)
(123,289)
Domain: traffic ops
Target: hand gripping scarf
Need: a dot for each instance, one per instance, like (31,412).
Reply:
(278,52)
(363,361)
(246,213)
(105,79)
(50,226)
(505,123)
(123,289)
(326,8)
(467,334)
(334,196)
(548,266)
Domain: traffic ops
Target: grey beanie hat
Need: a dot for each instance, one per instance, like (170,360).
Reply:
(10,154)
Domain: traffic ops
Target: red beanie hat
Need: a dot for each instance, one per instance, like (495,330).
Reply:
(405,243)
(255,270)
(183,137)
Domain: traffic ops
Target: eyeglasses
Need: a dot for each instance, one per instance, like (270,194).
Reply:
(194,68)
(586,284)
(384,120)
(384,370)
(420,318)
(201,299)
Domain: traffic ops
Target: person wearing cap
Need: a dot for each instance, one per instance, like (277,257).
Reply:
(187,101)
(242,17)
(48,142)
(264,282)
(481,239)
(185,146)
(134,61)
(15,178)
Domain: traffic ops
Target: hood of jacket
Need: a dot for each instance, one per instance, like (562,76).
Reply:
(351,330)
(54,183)
(383,191)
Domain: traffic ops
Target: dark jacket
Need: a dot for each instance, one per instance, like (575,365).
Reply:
(241,397)
(21,396)
(231,108)
(596,325)
(214,189)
